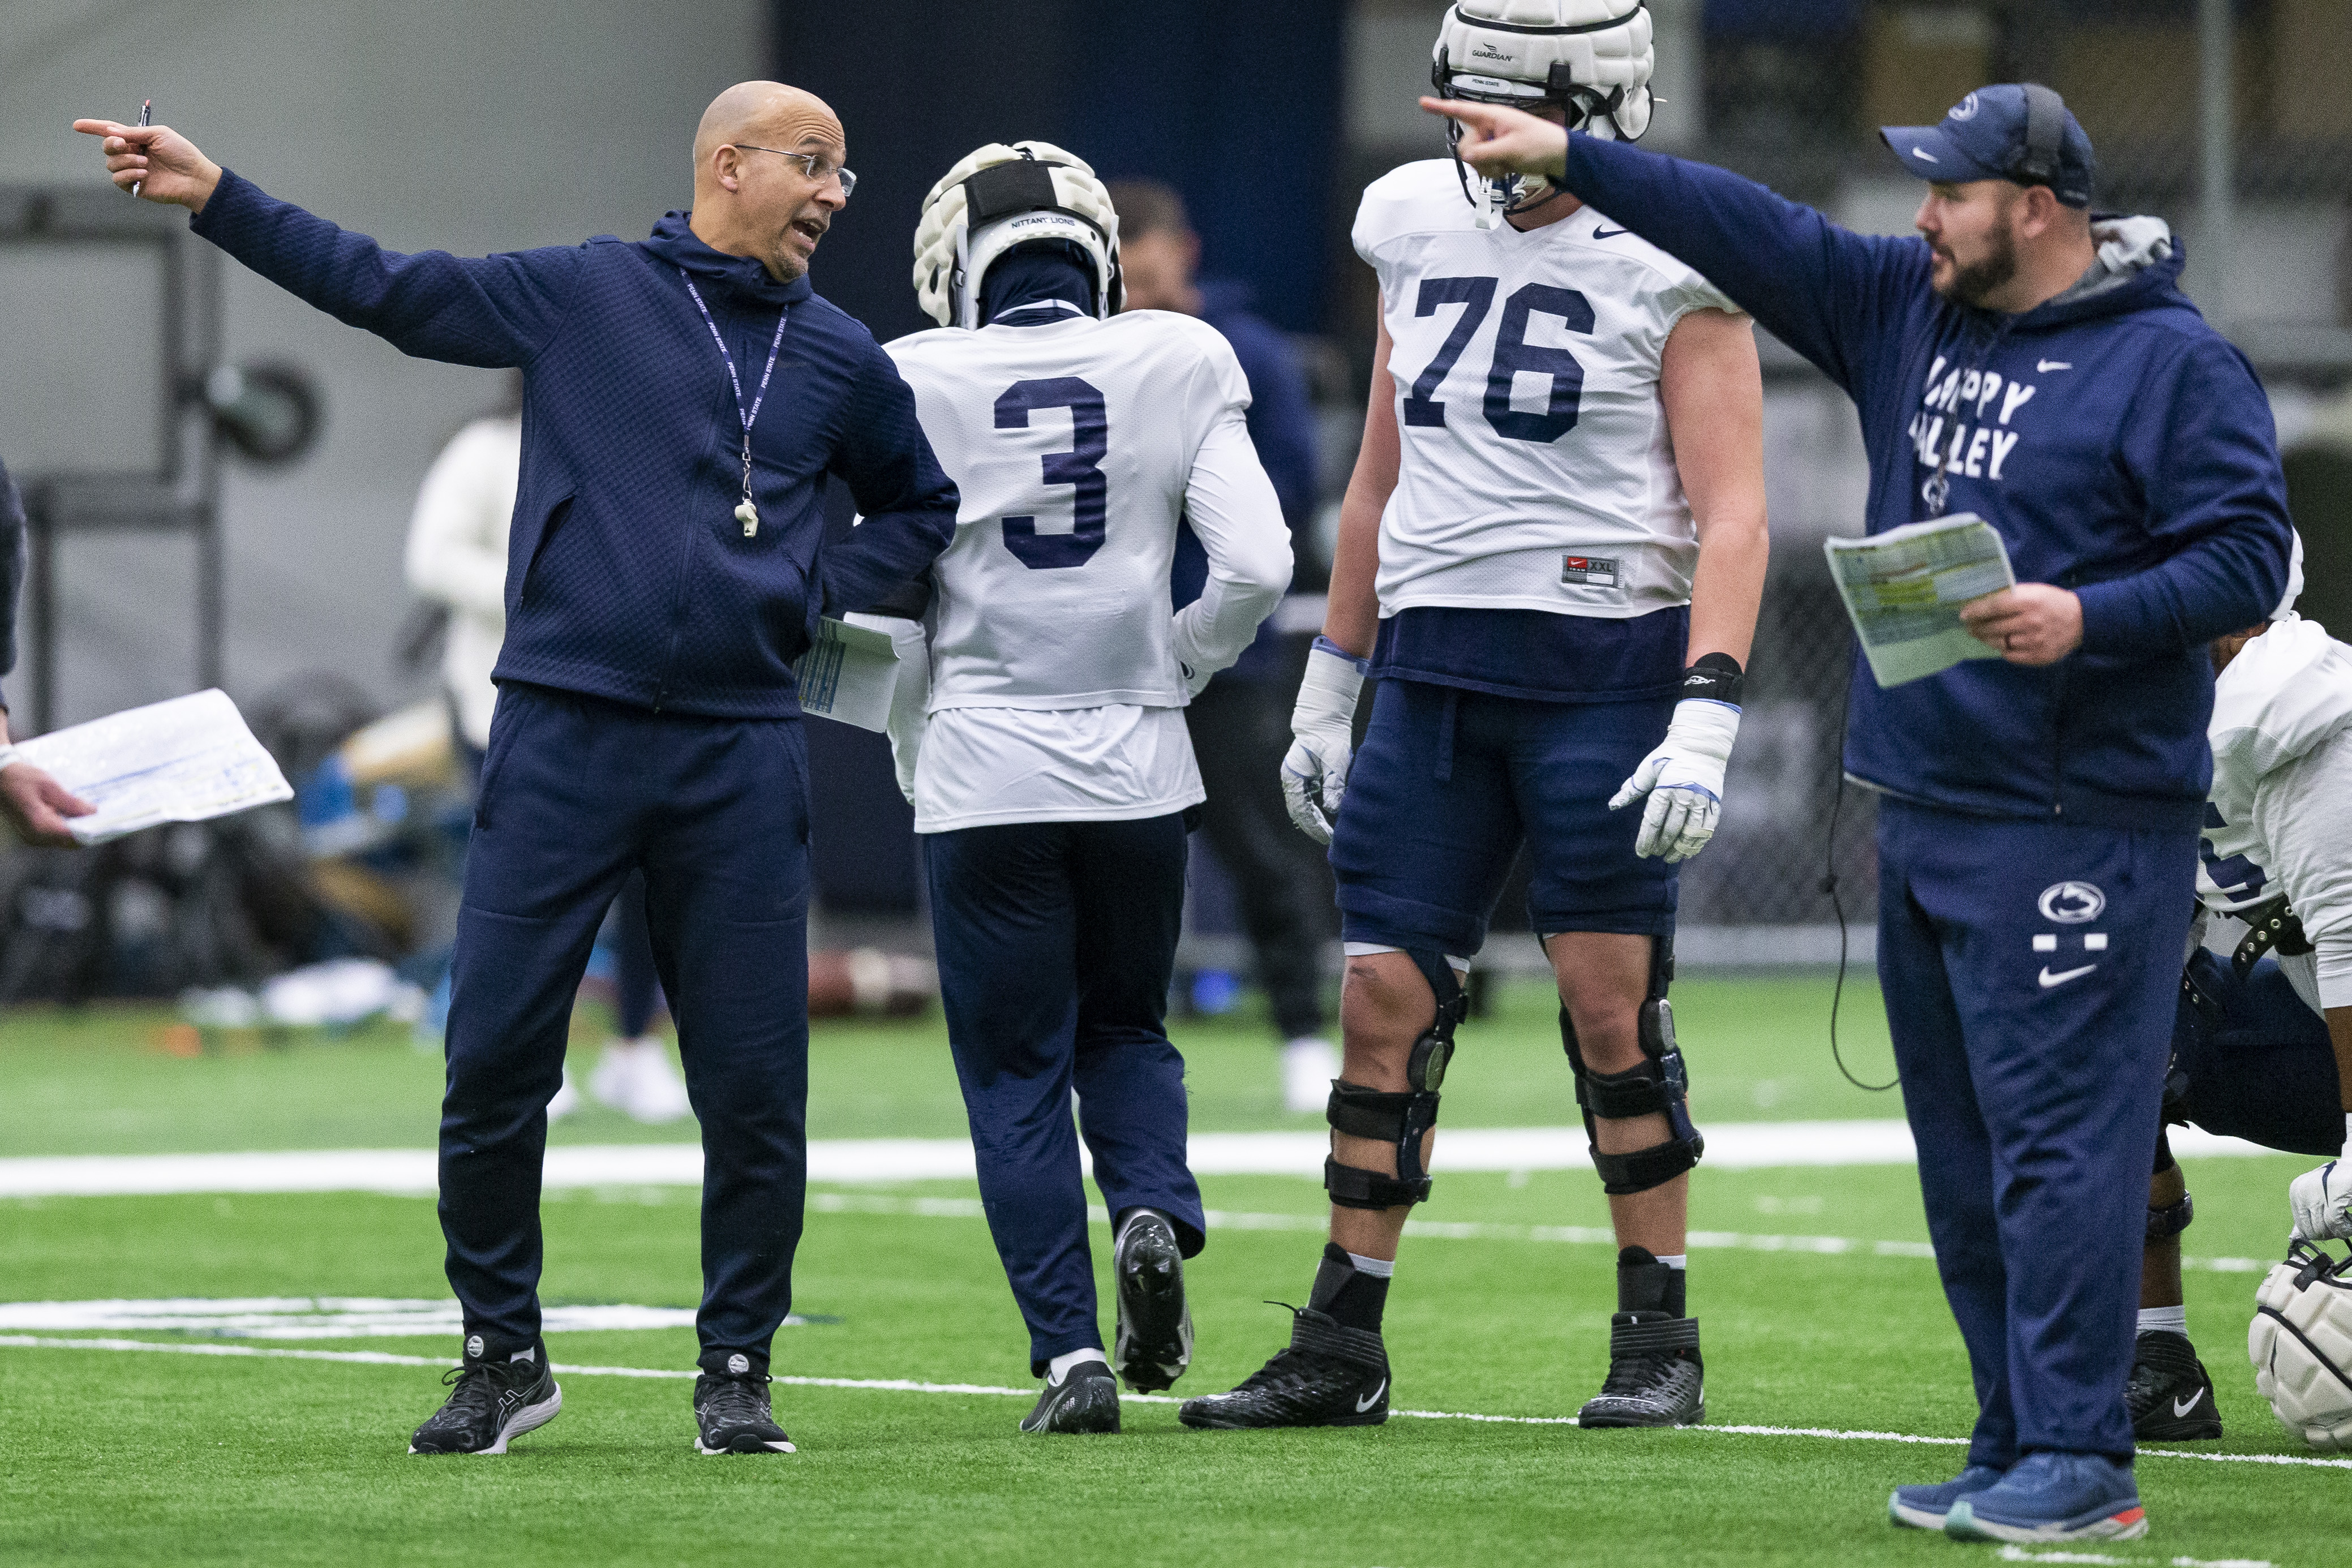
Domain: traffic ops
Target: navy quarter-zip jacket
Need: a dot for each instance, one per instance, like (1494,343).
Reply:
(627,574)
(2123,449)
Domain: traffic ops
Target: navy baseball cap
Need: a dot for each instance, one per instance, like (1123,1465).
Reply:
(2011,131)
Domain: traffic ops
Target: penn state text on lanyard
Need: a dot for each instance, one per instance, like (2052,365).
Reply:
(745,512)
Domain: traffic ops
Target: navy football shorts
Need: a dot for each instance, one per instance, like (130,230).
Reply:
(1448,784)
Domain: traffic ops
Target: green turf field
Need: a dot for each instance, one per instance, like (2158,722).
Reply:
(146,1456)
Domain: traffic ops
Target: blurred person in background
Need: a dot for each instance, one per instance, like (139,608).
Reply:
(31,802)
(1240,724)
(457,558)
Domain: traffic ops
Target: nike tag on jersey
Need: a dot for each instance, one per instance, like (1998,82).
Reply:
(1596,571)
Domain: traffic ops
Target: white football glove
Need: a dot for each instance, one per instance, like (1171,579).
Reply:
(1323,740)
(1684,780)
(2321,1199)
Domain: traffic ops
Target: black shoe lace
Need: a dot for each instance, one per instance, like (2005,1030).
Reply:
(739,1400)
(1637,1376)
(474,1392)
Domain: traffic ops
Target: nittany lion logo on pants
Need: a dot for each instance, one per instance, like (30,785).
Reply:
(2072,903)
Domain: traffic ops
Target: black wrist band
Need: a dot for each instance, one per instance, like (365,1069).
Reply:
(1716,677)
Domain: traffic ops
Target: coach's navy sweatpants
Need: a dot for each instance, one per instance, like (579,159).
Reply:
(576,792)
(2030,972)
(1057,942)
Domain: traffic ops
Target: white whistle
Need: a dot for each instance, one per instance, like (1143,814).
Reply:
(748,516)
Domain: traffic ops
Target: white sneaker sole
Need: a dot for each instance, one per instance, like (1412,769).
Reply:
(768,1448)
(1962,1524)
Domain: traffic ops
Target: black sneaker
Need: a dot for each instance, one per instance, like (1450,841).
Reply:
(1330,1376)
(732,1414)
(1654,1379)
(491,1402)
(1085,1400)
(1154,1342)
(2171,1394)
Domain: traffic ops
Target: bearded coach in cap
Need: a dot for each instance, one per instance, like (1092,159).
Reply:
(685,398)
(2026,361)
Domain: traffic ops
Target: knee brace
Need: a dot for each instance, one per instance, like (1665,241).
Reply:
(2163,1224)
(1659,1085)
(1400,1119)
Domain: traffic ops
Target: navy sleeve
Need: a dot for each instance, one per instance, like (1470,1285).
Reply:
(2202,445)
(494,312)
(12,571)
(1281,417)
(1838,297)
(908,502)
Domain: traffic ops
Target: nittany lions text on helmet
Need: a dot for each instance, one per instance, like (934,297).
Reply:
(1001,196)
(1536,471)
(1591,59)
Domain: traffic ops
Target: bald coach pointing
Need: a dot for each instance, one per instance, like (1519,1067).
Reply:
(685,398)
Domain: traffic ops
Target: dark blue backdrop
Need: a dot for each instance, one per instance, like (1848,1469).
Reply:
(1235,104)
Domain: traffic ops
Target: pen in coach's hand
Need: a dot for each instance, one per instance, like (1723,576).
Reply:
(146,117)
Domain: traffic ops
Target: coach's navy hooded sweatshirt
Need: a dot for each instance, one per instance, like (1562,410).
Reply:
(627,574)
(2122,447)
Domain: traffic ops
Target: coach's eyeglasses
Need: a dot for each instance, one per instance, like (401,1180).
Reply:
(820,169)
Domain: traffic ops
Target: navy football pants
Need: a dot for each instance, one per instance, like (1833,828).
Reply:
(2263,1070)
(1057,942)
(576,792)
(2030,973)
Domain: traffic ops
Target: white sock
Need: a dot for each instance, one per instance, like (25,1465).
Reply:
(1678,1260)
(2172,1320)
(1059,1368)
(1378,1268)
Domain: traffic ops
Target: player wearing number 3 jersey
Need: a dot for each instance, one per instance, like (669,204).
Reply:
(1049,765)
(1551,554)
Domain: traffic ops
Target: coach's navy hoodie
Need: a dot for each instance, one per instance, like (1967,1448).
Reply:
(627,574)
(2122,447)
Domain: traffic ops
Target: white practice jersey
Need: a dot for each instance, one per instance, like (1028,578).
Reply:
(2276,823)
(1057,673)
(1537,473)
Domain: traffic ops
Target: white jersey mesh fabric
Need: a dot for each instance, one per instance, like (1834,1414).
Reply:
(1536,471)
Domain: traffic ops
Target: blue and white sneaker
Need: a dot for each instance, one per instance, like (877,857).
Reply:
(2053,1497)
(1924,1507)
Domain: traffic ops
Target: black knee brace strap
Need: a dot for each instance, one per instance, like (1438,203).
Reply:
(2166,1223)
(1398,1118)
(1658,1086)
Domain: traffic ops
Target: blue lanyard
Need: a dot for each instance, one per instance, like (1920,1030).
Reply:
(745,512)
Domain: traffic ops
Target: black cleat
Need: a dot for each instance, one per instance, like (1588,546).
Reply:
(491,1402)
(1330,1376)
(1654,1378)
(2171,1394)
(1085,1400)
(1154,1342)
(731,1415)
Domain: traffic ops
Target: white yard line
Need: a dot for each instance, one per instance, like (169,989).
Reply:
(1730,1145)
(909,1385)
(1469,1230)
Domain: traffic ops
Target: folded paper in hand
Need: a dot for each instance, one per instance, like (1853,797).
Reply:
(848,674)
(185,760)
(1905,588)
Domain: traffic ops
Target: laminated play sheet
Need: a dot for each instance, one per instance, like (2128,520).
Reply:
(848,674)
(1905,588)
(185,760)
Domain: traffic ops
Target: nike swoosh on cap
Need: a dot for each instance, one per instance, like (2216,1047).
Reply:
(1923,152)
(2048,980)
(1599,232)
(2045,366)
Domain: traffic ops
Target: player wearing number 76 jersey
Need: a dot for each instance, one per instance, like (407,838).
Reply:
(1049,765)
(1551,553)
